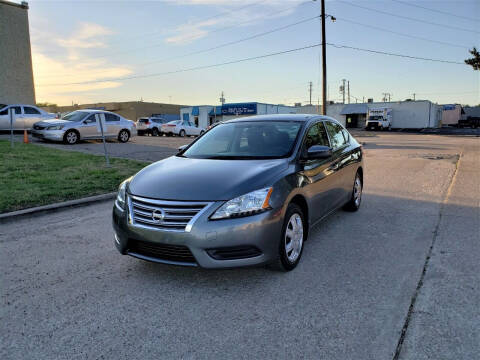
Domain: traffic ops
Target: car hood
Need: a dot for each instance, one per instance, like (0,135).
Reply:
(178,178)
(53,122)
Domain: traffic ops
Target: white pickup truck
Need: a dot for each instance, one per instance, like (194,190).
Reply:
(379,118)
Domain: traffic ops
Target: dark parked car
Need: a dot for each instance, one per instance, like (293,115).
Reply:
(247,192)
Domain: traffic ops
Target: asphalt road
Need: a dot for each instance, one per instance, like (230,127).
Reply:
(66,293)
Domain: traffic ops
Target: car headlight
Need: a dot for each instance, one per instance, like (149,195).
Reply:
(121,196)
(244,205)
(55,127)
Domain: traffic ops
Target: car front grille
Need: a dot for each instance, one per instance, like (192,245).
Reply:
(163,252)
(163,214)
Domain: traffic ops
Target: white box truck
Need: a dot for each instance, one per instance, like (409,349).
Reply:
(379,119)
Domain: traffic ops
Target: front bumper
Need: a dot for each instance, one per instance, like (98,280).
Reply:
(254,239)
(54,135)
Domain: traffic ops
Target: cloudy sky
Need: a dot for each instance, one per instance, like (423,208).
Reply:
(168,51)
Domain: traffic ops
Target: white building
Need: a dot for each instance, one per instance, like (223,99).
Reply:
(205,115)
(405,114)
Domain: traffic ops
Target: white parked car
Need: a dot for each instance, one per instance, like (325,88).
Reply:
(25,116)
(150,125)
(82,124)
(181,128)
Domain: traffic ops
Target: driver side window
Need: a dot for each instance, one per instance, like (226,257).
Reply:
(316,135)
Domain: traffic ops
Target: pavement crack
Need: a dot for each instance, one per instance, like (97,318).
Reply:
(413,300)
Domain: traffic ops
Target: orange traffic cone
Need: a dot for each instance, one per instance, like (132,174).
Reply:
(25,136)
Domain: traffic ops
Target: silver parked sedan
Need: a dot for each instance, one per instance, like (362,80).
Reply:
(82,125)
(245,193)
(25,116)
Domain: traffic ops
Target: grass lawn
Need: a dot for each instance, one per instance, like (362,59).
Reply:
(33,175)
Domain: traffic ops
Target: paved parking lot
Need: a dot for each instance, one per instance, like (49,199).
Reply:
(408,260)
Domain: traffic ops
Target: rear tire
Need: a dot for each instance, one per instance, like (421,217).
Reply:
(71,137)
(155,132)
(291,243)
(182,133)
(356,198)
(123,136)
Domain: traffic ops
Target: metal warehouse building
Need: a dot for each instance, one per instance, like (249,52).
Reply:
(405,114)
(16,75)
(205,115)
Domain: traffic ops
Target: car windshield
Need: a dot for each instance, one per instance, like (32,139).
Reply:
(174,122)
(2,106)
(142,120)
(74,116)
(246,140)
(375,117)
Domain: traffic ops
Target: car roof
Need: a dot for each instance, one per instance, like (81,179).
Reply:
(5,105)
(280,117)
(96,111)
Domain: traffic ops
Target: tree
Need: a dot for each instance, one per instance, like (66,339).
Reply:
(475,61)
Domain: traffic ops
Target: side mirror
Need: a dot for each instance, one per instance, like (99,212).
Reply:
(319,152)
(181,148)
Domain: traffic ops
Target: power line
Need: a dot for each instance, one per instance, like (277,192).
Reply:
(217,30)
(234,42)
(409,18)
(401,34)
(436,10)
(186,69)
(396,54)
(255,58)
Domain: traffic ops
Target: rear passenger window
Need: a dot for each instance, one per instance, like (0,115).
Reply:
(335,131)
(111,117)
(316,135)
(16,108)
(30,110)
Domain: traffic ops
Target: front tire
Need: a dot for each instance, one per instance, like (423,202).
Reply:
(71,137)
(155,132)
(293,237)
(123,136)
(356,198)
(182,133)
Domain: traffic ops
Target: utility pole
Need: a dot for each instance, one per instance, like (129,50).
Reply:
(343,90)
(414,96)
(222,98)
(348,86)
(324,63)
(310,91)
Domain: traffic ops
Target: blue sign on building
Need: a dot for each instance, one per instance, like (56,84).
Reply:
(239,109)
(449,107)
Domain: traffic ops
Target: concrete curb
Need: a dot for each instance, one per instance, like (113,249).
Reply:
(52,207)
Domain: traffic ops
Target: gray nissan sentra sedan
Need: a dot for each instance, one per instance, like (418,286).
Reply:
(245,193)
